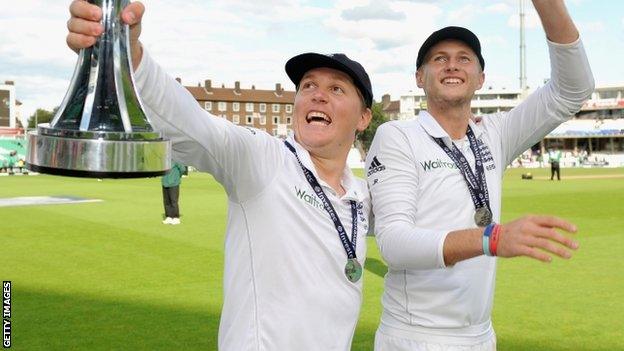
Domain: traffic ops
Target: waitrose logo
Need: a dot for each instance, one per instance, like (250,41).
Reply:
(310,199)
(435,164)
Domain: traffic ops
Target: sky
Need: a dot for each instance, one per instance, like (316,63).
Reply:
(250,41)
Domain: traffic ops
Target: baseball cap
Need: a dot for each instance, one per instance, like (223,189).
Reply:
(297,66)
(457,33)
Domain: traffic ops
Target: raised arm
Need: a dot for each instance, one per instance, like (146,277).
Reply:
(557,23)
(570,85)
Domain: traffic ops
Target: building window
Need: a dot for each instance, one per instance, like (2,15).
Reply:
(275,120)
(274,131)
(608,94)
(288,120)
(262,107)
(288,108)
(223,115)
(262,119)
(488,110)
(487,97)
(235,106)
(222,106)
(249,119)
(208,105)
(249,107)
(236,119)
(276,108)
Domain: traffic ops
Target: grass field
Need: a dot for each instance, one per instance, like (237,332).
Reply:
(109,275)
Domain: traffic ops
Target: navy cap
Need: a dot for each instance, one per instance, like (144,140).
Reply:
(297,66)
(457,33)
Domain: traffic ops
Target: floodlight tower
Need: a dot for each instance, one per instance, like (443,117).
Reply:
(523,84)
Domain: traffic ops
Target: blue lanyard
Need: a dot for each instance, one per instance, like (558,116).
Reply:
(349,245)
(477,184)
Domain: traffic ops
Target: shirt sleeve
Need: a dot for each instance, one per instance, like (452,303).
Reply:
(571,84)
(393,182)
(243,160)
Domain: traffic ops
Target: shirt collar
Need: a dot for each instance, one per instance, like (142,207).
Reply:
(353,188)
(433,128)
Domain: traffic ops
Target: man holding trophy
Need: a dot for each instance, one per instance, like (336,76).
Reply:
(293,268)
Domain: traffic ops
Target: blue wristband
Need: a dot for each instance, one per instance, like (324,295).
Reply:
(486,239)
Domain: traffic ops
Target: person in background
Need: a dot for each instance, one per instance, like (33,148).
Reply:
(171,193)
(20,165)
(11,161)
(555,157)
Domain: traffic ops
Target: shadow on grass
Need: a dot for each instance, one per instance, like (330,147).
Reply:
(50,321)
(375,266)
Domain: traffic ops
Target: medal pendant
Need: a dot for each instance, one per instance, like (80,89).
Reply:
(353,270)
(483,216)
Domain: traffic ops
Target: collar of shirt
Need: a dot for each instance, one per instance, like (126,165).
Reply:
(353,188)
(434,129)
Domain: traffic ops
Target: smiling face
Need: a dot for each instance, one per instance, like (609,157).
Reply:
(328,111)
(450,74)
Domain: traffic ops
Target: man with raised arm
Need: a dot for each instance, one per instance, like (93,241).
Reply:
(436,188)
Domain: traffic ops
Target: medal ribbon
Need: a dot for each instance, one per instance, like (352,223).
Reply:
(349,245)
(477,184)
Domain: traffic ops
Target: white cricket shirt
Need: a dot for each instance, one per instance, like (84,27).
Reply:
(284,281)
(419,196)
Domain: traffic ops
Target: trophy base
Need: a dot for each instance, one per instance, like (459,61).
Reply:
(97,158)
(88,174)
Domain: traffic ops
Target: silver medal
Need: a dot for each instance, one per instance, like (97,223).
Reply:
(353,270)
(483,216)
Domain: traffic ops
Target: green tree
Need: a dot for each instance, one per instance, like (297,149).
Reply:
(365,138)
(41,116)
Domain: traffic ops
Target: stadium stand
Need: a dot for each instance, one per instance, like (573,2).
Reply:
(8,145)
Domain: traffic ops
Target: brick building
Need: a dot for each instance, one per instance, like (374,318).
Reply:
(390,108)
(270,110)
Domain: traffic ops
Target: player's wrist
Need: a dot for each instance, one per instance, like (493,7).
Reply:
(491,234)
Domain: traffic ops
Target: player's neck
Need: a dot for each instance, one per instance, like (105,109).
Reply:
(453,119)
(330,170)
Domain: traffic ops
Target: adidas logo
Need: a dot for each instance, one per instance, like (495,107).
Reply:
(375,167)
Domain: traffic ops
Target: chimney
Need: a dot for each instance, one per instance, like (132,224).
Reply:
(385,99)
(237,87)
(278,89)
(253,87)
(179,80)
(208,84)
(9,82)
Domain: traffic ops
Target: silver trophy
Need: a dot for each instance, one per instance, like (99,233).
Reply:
(101,129)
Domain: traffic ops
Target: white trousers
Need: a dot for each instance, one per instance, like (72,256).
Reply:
(385,342)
